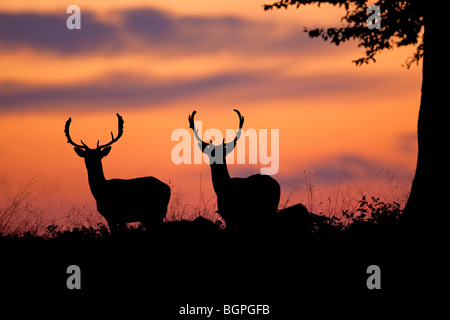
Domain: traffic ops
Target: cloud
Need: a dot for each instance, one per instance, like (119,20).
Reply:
(166,34)
(115,90)
(208,34)
(353,169)
(148,29)
(49,32)
(407,143)
(131,91)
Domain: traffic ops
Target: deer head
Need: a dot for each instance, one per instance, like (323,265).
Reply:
(216,153)
(100,151)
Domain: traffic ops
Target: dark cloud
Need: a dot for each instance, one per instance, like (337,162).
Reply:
(130,91)
(347,166)
(49,32)
(158,32)
(353,169)
(148,29)
(407,143)
(193,34)
(117,89)
(152,25)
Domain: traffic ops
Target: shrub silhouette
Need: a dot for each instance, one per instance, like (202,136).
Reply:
(374,217)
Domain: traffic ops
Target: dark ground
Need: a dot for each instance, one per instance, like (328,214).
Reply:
(299,275)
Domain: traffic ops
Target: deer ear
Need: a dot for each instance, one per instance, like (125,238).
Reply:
(104,152)
(80,152)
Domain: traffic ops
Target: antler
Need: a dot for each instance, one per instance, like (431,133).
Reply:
(230,145)
(120,119)
(83,145)
(241,118)
(69,139)
(192,126)
(241,124)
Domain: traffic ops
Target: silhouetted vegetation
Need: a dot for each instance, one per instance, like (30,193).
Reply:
(299,259)
(371,217)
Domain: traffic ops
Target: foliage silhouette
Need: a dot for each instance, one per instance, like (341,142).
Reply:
(371,217)
(403,23)
(121,201)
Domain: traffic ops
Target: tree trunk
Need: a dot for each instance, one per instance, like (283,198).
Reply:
(425,207)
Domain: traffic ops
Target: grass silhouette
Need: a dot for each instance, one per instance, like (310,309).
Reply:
(371,217)
(22,216)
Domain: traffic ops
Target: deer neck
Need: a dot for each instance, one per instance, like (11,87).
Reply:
(220,176)
(96,177)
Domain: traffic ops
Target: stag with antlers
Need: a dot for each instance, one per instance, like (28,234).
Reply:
(241,202)
(121,201)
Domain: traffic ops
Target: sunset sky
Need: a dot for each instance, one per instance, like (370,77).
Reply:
(344,131)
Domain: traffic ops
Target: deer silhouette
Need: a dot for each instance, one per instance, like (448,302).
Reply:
(121,201)
(241,202)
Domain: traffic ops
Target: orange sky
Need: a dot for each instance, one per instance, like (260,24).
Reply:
(349,128)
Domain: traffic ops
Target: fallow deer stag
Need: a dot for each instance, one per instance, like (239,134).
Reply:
(121,201)
(241,202)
